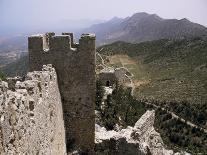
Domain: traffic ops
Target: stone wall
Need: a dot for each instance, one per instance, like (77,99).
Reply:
(142,139)
(111,77)
(123,75)
(31,118)
(75,66)
(108,78)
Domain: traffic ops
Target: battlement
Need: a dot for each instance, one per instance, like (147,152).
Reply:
(50,41)
(71,38)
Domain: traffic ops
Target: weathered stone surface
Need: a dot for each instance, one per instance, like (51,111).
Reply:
(142,139)
(109,76)
(31,118)
(75,66)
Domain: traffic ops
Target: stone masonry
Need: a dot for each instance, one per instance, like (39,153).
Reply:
(31,117)
(75,67)
(142,139)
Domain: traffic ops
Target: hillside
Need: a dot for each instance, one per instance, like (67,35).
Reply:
(142,27)
(164,69)
(16,68)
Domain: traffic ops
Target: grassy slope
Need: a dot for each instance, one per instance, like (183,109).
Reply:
(177,70)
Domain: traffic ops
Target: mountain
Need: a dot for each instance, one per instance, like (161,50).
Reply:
(142,27)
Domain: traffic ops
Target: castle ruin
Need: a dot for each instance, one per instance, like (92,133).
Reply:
(54,105)
(75,67)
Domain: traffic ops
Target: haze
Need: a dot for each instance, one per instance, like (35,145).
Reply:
(20,14)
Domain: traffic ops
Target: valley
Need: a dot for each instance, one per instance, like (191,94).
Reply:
(164,70)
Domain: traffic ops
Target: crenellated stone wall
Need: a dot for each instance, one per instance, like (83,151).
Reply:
(75,66)
(31,117)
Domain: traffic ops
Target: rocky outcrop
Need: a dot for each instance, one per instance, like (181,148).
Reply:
(31,118)
(142,139)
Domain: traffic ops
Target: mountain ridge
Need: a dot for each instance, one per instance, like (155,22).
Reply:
(142,27)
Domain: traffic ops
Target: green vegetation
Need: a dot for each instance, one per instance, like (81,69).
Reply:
(195,113)
(2,76)
(175,70)
(177,134)
(119,108)
(123,109)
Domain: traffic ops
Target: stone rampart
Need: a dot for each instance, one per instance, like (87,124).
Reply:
(31,117)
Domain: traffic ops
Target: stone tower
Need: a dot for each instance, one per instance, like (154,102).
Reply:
(75,67)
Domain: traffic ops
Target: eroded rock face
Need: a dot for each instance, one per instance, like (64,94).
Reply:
(142,139)
(31,118)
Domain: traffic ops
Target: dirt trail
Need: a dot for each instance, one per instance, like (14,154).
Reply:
(102,60)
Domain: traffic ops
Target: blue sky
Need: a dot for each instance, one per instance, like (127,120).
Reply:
(42,11)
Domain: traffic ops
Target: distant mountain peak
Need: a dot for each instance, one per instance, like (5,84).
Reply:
(143,16)
(115,19)
(142,27)
(184,20)
(140,15)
